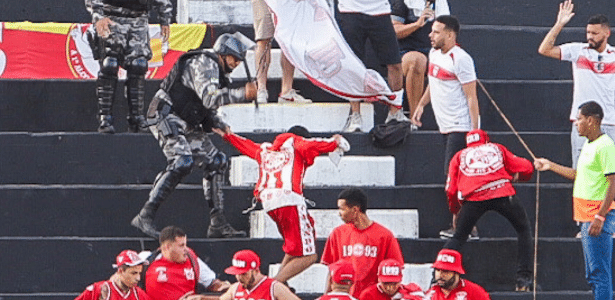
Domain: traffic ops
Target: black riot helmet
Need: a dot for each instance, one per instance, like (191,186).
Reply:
(227,44)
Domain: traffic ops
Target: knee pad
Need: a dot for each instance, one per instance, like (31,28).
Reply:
(137,66)
(109,66)
(182,165)
(217,165)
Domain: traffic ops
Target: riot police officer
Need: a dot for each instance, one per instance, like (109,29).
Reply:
(122,39)
(181,115)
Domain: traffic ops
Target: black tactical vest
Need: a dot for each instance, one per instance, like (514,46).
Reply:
(186,103)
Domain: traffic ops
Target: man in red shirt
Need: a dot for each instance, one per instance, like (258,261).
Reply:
(251,283)
(479,180)
(449,284)
(176,271)
(362,241)
(123,284)
(341,277)
(279,188)
(389,284)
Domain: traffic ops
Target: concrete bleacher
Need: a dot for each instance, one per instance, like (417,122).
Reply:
(67,194)
(404,223)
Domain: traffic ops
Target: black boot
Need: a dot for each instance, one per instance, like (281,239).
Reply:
(163,186)
(105,90)
(135,95)
(106,124)
(218,226)
(144,221)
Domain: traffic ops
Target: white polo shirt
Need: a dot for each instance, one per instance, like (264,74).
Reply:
(594,78)
(448,72)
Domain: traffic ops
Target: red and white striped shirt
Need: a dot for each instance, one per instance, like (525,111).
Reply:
(282,165)
(594,78)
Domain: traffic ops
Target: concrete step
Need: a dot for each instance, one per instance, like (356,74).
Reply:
(404,223)
(274,117)
(70,105)
(92,158)
(349,172)
(89,207)
(490,263)
(310,281)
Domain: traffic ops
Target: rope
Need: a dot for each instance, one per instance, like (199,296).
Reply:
(506,120)
(534,279)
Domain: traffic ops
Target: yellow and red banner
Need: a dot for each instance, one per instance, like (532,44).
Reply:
(61,50)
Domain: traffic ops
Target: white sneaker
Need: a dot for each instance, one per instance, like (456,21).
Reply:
(293,97)
(353,123)
(262,96)
(399,116)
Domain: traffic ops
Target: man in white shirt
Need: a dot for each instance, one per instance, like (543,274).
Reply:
(451,91)
(593,70)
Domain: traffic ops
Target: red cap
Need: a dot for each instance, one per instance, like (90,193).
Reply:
(342,272)
(129,258)
(389,270)
(477,136)
(244,261)
(449,260)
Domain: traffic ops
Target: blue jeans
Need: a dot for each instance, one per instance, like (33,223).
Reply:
(598,252)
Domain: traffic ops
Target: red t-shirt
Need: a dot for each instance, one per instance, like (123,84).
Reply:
(261,291)
(336,296)
(466,290)
(364,248)
(409,291)
(93,291)
(166,279)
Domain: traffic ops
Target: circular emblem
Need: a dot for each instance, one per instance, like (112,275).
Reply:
(274,161)
(358,250)
(481,160)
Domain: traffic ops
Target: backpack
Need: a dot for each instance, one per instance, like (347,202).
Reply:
(390,134)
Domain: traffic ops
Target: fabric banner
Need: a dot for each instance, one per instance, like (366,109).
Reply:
(311,40)
(61,50)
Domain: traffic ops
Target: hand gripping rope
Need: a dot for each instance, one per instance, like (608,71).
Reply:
(537,183)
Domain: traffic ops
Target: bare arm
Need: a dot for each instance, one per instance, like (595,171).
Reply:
(596,226)
(228,295)
(469,89)
(281,292)
(547,47)
(426,99)
(403,30)
(543,164)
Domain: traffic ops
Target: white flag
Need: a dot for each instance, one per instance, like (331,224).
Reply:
(311,40)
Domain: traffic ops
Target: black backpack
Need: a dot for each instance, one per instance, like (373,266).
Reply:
(390,134)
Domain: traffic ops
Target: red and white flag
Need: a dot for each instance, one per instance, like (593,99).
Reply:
(311,40)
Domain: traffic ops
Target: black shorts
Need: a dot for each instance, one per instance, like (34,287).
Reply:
(357,28)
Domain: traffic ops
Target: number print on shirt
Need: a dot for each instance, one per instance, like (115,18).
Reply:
(360,250)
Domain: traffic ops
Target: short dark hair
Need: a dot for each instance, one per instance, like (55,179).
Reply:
(450,23)
(354,197)
(599,19)
(170,233)
(591,109)
(300,131)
